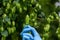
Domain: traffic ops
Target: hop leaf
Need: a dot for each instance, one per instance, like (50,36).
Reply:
(4,33)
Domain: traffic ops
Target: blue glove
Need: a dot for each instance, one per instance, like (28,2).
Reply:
(29,33)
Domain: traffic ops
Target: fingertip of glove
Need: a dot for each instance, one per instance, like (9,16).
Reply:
(21,34)
(27,26)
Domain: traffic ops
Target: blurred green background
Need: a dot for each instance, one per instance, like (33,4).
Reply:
(43,15)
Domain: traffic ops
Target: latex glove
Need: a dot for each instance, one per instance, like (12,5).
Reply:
(29,33)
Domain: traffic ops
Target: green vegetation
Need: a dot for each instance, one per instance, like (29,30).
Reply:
(40,14)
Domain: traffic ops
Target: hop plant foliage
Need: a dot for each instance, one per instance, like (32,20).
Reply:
(40,14)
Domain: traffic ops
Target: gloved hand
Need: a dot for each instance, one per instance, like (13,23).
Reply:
(29,33)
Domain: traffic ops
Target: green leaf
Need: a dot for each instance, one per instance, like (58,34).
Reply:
(4,33)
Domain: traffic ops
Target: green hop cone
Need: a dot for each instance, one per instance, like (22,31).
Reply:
(25,8)
(13,29)
(48,20)
(20,9)
(4,3)
(24,0)
(18,5)
(13,23)
(47,27)
(2,29)
(8,5)
(9,30)
(4,15)
(13,9)
(59,36)
(51,17)
(27,19)
(37,4)
(58,30)
(46,35)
